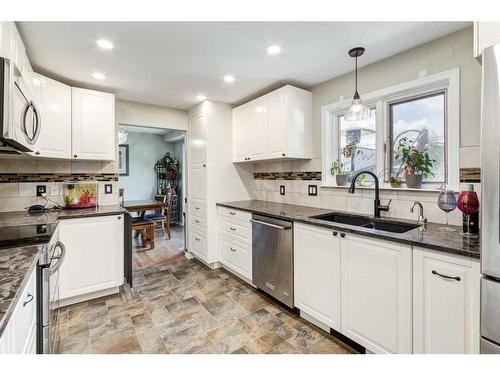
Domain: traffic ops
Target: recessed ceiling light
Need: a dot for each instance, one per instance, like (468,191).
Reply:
(104,44)
(201,97)
(273,50)
(97,75)
(229,78)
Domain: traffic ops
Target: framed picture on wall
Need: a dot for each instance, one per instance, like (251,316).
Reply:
(123,160)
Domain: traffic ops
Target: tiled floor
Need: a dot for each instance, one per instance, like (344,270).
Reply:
(165,249)
(184,307)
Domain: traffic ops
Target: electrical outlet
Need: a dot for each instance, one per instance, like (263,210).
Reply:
(108,188)
(282,189)
(312,190)
(54,189)
(41,190)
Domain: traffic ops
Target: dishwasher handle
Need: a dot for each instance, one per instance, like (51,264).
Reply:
(280,227)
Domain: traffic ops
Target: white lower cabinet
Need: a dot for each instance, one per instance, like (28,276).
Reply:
(377,294)
(19,336)
(317,274)
(234,241)
(93,264)
(198,243)
(446,290)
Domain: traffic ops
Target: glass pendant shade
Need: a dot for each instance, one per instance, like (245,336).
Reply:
(357,111)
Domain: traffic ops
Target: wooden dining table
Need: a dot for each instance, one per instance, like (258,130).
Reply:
(143,205)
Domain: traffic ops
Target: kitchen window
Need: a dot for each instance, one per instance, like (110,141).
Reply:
(421,121)
(424,111)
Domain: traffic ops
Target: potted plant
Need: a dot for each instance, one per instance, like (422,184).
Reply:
(417,164)
(337,170)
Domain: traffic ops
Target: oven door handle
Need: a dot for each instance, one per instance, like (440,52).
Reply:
(60,258)
(281,227)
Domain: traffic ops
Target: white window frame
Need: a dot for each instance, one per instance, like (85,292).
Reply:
(448,80)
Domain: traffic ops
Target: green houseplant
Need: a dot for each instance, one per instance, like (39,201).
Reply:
(417,164)
(337,170)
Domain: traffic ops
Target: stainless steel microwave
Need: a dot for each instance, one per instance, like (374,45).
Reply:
(19,117)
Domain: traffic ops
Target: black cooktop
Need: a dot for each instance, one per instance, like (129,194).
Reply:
(25,235)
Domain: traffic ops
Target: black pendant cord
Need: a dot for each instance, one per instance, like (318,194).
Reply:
(356,95)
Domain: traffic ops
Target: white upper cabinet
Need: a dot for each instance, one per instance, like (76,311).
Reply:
(445,303)
(486,34)
(197,141)
(277,125)
(54,102)
(317,273)
(377,294)
(93,124)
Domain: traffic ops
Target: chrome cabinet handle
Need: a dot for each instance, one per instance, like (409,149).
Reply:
(60,258)
(232,249)
(342,235)
(197,221)
(196,238)
(197,208)
(434,272)
(28,299)
(232,228)
(75,155)
(334,233)
(232,213)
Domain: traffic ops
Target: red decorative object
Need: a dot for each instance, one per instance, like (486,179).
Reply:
(468,202)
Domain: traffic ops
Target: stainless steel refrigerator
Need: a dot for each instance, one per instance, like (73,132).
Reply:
(490,195)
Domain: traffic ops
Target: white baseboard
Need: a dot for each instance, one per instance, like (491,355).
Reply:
(88,296)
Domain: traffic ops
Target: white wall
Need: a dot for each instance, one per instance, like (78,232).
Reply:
(451,51)
(140,114)
(144,151)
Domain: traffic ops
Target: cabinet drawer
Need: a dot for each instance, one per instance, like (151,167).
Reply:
(237,229)
(235,214)
(198,208)
(198,223)
(236,256)
(198,243)
(24,316)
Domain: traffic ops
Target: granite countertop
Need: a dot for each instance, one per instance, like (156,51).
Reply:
(16,218)
(431,237)
(16,265)
(17,261)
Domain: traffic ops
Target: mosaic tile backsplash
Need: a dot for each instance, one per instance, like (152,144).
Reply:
(19,177)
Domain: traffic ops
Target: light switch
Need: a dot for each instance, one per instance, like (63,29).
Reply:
(312,190)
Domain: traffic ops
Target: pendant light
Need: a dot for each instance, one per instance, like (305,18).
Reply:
(357,111)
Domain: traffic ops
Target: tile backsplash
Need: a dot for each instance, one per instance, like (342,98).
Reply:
(19,177)
(295,176)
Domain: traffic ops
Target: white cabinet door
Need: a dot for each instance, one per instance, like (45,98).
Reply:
(198,244)
(317,273)
(377,294)
(256,129)
(198,183)
(54,100)
(277,124)
(197,141)
(93,124)
(19,334)
(94,255)
(445,303)
(240,140)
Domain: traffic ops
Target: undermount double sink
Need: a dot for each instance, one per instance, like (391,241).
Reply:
(366,222)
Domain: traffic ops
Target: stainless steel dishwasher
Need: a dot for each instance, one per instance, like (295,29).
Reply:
(272,259)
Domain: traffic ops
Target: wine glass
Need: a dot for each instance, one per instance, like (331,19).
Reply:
(447,202)
(468,203)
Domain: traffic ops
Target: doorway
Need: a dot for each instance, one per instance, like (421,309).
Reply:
(151,169)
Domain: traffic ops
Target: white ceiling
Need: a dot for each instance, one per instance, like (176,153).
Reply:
(169,63)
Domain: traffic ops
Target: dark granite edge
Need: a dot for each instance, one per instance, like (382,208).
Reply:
(4,320)
(367,232)
(77,214)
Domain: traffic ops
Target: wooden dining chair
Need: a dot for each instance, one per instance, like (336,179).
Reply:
(161,217)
